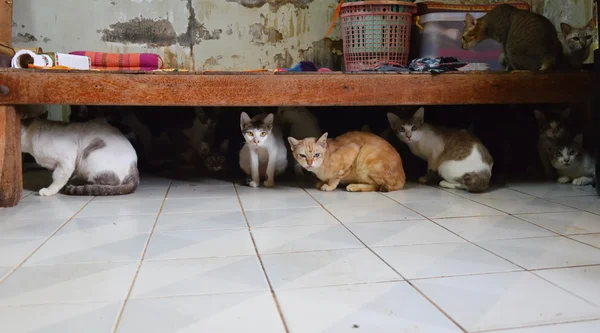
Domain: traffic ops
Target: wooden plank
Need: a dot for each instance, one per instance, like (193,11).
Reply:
(6,10)
(242,89)
(11,176)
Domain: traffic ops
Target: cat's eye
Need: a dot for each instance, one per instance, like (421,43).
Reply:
(414,128)
(250,134)
(576,39)
(302,155)
(317,155)
(263,134)
(588,37)
(572,152)
(402,129)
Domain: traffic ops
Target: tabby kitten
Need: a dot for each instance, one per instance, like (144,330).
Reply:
(456,155)
(573,164)
(577,42)
(362,160)
(529,40)
(552,132)
(264,155)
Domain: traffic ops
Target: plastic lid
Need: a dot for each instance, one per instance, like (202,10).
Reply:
(445,17)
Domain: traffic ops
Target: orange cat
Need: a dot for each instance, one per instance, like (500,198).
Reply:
(362,160)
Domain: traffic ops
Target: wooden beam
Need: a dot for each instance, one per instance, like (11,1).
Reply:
(244,89)
(6,11)
(11,175)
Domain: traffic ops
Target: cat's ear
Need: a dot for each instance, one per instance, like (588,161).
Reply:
(395,121)
(539,116)
(590,24)
(470,21)
(293,142)
(323,140)
(268,120)
(419,115)
(245,119)
(565,28)
(365,128)
(578,139)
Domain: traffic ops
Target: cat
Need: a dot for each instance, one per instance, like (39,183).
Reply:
(456,155)
(572,163)
(529,40)
(264,154)
(91,158)
(362,161)
(577,42)
(300,123)
(552,131)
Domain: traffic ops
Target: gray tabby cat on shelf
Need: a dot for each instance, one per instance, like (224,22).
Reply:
(93,157)
(264,155)
(577,42)
(573,164)
(553,131)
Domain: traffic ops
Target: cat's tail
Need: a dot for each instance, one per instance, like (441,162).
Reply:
(129,185)
(477,181)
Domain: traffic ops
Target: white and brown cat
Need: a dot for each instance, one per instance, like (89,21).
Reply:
(362,161)
(457,156)
(91,158)
(264,154)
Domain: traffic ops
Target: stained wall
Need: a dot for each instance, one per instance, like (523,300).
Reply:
(206,34)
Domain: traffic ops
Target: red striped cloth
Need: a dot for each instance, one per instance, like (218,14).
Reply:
(123,61)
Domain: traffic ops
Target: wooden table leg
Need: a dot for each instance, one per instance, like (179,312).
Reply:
(11,173)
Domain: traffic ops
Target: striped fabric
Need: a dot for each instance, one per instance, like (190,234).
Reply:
(123,61)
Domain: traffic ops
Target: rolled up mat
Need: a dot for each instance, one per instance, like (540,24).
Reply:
(123,61)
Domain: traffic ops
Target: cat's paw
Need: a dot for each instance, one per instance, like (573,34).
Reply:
(47,192)
(252,183)
(582,181)
(269,183)
(327,188)
(320,184)
(563,180)
(423,180)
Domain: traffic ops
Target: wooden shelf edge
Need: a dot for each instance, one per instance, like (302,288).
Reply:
(266,89)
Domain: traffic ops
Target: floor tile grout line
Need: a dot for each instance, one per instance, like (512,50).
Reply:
(139,266)
(262,265)
(465,239)
(388,265)
(591,319)
(6,276)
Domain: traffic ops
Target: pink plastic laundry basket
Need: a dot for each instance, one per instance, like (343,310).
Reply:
(374,32)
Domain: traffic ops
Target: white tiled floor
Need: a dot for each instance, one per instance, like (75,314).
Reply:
(211,256)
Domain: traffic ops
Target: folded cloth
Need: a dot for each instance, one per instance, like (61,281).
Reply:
(123,61)
(388,67)
(435,65)
(303,66)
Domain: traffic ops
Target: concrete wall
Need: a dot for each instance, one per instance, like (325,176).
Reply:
(205,34)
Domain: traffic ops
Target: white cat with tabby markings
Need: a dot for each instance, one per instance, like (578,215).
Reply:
(93,156)
(264,154)
(456,155)
(573,164)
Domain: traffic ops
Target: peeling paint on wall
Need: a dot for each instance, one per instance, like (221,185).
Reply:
(261,33)
(274,5)
(283,60)
(324,53)
(140,30)
(24,38)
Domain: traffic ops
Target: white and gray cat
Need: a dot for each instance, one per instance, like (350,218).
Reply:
(301,124)
(553,131)
(91,158)
(572,163)
(577,42)
(456,155)
(264,155)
